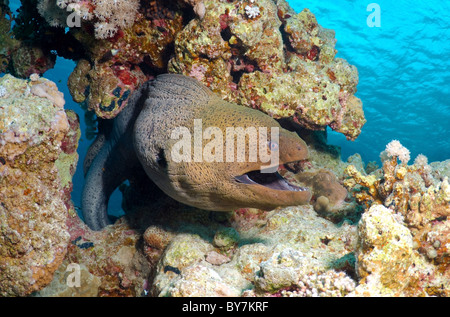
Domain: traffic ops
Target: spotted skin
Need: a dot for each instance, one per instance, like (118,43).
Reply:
(141,139)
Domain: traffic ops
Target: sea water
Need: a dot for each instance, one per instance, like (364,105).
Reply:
(404,71)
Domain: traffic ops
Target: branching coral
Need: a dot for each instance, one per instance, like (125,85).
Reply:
(252,11)
(411,190)
(418,198)
(114,15)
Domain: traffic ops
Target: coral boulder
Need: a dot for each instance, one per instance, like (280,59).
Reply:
(38,141)
(263,55)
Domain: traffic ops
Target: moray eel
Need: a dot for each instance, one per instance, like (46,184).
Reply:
(142,137)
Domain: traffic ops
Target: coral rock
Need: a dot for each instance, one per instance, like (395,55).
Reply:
(403,248)
(277,61)
(295,243)
(29,60)
(36,137)
(282,270)
(387,262)
(113,68)
(107,88)
(109,262)
(200,281)
(329,193)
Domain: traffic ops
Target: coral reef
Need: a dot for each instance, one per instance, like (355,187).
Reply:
(413,200)
(38,142)
(164,248)
(26,61)
(293,252)
(108,17)
(263,55)
(290,245)
(111,69)
(389,263)
(117,45)
(109,262)
(259,54)
(416,192)
(191,250)
(369,231)
(31,45)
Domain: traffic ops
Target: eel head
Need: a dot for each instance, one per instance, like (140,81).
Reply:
(218,180)
(265,183)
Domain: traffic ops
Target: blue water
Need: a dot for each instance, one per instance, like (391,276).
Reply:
(404,72)
(404,76)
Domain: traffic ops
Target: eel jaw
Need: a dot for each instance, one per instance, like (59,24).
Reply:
(272,181)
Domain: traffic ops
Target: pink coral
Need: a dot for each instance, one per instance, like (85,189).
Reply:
(396,149)
(48,89)
(198,72)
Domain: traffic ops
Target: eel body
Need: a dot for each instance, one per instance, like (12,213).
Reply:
(195,147)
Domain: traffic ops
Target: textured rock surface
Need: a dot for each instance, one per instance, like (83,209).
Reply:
(274,252)
(113,67)
(110,262)
(38,142)
(280,62)
(389,263)
(404,248)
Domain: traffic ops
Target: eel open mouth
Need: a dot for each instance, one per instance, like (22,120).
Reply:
(271,180)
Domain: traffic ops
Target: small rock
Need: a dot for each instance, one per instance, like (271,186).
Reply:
(226,238)
(216,258)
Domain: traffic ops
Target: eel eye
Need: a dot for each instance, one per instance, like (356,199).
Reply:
(161,159)
(273,146)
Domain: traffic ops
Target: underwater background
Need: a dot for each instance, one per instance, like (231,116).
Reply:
(404,78)
(369,226)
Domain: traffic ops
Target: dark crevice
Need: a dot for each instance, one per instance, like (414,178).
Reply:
(150,69)
(226,34)
(287,43)
(242,65)
(237,76)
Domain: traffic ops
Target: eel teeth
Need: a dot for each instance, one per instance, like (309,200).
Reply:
(270,180)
